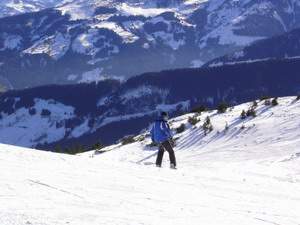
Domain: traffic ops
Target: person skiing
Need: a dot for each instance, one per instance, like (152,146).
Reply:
(162,135)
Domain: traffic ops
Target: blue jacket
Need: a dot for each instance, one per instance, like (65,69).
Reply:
(160,131)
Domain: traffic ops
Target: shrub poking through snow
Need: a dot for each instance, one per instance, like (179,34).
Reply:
(32,111)
(127,140)
(265,97)
(193,120)
(45,113)
(74,150)
(243,115)
(274,101)
(141,138)
(58,149)
(97,146)
(180,129)
(199,109)
(251,112)
(268,102)
(207,126)
(254,104)
(222,107)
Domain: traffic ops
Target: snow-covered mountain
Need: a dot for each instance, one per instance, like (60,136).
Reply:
(279,47)
(15,7)
(83,114)
(84,41)
(247,174)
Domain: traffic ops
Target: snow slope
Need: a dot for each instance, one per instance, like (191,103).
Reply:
(242,176)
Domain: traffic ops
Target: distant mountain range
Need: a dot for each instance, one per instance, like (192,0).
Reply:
(45,117)
(86,41)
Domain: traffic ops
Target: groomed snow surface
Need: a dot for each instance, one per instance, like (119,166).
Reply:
(248,176)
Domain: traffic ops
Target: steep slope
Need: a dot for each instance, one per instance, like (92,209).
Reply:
(245,176)
(88,113)
(85,41)
(279,47)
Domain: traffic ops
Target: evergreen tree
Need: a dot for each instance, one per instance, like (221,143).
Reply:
(251,112)
(193,120)
(243,115)
(58,149)
(222,107)
(254,104)
(265,97)
(274,101)
(128,140)
(73,150)
(97,146)
(199,109)
(268,102)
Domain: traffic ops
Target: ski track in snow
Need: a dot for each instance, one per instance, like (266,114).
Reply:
(245,176)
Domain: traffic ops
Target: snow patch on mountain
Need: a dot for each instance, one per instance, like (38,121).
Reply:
(20,6)
(55,46)
(85,44)
(280,20)
(13,128)
(143,91)
(197,63)
(92,76)
(81,129)
(134,25)
(124,34)
(72,77)
(12,42)
(129,10)
(102,101)
(169,39)
(183,105)
(226,36)
(77,11)
(220,64)
(16,7)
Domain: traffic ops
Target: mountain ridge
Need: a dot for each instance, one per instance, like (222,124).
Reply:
(92,114)
(91,41)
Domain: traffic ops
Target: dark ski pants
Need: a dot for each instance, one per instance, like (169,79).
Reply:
(168,147)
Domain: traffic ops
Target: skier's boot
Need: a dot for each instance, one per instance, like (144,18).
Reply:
(157,165)
(172,166)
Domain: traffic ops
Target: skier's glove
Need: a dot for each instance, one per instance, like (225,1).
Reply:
(172,142)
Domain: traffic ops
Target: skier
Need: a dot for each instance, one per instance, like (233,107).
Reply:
(162,135)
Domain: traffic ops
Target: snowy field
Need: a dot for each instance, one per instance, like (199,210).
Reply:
(248,174)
